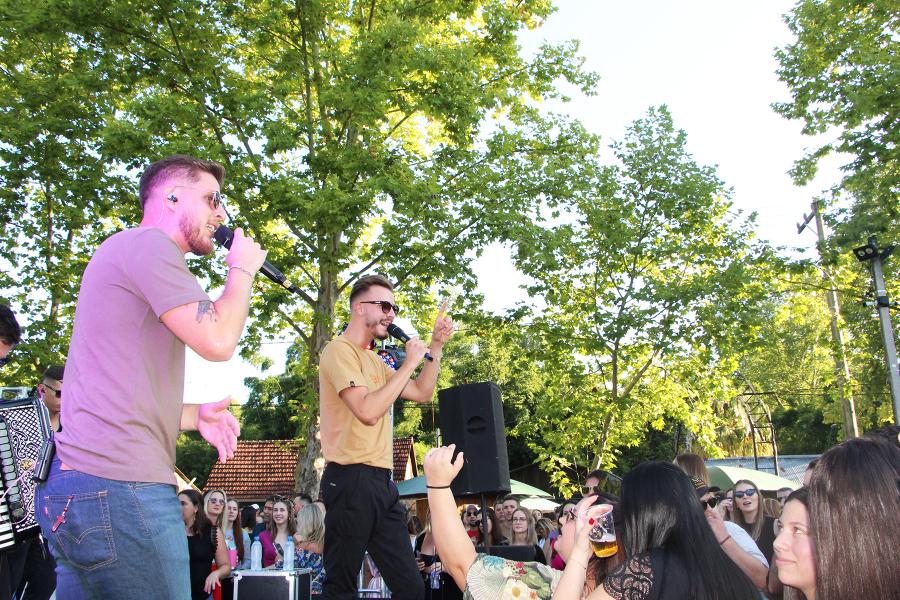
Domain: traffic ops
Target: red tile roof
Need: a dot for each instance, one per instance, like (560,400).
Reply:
(260,468)
(403,454)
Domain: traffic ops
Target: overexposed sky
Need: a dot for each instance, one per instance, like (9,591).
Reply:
(712,63)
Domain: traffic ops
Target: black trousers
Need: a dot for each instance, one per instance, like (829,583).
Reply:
(363,512)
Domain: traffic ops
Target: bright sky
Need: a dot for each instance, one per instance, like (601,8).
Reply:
(712,63)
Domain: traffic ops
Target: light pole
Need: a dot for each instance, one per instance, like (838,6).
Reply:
(874,255)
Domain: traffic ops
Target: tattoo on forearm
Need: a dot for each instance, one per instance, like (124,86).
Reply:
(206,307)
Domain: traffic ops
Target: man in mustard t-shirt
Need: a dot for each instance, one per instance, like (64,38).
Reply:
(356,393)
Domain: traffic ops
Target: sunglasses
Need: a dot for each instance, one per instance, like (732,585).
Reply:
(216,501)
(519,519)
(711,503)
(569,513)
(471,513)
(54,390)
(386,307)
(214,198)
(750,492)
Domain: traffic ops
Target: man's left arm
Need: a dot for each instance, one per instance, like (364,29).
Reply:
(421,389)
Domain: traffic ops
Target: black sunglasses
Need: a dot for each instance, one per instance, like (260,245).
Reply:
(386,306)
(471,513)
(749,492)
(711,503)
(54,390)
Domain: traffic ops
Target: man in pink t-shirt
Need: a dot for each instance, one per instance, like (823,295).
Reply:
(109,507)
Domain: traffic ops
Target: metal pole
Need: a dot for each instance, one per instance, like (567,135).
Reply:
(841,369)
(887,333)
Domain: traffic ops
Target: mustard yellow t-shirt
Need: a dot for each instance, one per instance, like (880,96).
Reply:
(345,439)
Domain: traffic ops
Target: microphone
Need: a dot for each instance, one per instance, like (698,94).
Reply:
(401,335)
(224,237)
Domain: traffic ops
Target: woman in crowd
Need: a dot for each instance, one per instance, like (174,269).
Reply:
(736,543)
(281,528)
(248,518)
(794,559)
(545,532)
(671,550)
(854,526)
(214,506)
(494,533)
(554,559)
(748,513)
(309,541)
(523,533)
(205,545)
(237,540)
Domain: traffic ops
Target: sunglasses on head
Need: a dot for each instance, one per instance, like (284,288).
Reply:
(386,307)
(749,492)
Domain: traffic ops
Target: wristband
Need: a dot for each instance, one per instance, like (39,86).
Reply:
(240,268)
(438,487)
(725,540)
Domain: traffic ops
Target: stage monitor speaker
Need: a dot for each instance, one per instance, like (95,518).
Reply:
(471,416)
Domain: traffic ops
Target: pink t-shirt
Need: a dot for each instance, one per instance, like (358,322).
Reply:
(125,369)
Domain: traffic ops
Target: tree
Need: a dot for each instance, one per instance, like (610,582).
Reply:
(843,72)
(392,136)
(651,287)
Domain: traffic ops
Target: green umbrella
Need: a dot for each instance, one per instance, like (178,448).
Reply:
(415,487)
(724,477)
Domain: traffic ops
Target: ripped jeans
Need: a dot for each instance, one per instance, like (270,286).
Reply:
(115,539)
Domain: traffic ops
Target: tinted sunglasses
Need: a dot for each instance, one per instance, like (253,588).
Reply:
(54,390)
(471,513)
(749,492)
(711,503)
(386,306)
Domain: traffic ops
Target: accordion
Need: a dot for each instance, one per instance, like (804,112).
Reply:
(24,429)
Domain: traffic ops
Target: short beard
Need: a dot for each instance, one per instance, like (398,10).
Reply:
(373,324)
(197,243)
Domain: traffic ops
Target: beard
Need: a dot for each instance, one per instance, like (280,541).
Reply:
(374,324)
(198,240)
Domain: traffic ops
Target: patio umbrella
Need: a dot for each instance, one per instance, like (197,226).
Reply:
(724,477)
(415,488)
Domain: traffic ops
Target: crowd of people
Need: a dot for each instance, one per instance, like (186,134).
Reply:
(835,538)
(220,536)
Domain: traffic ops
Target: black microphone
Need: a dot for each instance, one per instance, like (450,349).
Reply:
(401,335)
(224,237)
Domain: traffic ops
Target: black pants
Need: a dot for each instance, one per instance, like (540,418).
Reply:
(33,570)
(363,512)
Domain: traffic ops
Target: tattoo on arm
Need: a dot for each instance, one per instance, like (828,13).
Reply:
(206,307)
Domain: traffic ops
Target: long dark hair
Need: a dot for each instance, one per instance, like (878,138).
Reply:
(854,518)
(495,537)
(661,511)
(236,531)
(201,521)
(248,518)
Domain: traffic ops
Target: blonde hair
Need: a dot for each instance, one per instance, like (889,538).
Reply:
(530,533)
(223,516)
(311,525)
(693,465)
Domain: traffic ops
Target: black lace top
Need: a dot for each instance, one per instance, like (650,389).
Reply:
(656,575)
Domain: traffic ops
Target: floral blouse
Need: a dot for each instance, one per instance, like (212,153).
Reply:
(304,559)
(496,578)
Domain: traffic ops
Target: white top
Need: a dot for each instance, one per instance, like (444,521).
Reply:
(743,539)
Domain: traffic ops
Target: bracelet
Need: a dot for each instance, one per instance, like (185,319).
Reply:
(240,268)
(725,540)
(438,487)
(577,563)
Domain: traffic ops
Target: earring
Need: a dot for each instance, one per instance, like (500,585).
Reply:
(172,198)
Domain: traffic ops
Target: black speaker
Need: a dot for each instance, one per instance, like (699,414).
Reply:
(471,416)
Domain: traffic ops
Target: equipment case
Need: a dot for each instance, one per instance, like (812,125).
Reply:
(272,585)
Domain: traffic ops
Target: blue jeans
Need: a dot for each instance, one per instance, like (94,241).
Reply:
(120,539)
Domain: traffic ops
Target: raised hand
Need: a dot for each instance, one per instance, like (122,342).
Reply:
(440,468)
(443,328)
